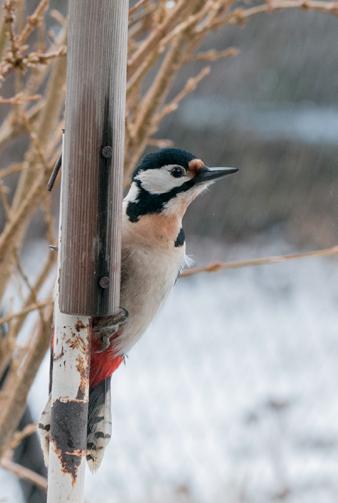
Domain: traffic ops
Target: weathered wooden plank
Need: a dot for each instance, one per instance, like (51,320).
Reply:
(93,157)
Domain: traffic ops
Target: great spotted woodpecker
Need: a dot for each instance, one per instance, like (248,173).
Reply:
(153,254)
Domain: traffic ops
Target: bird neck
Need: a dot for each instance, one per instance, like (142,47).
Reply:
(163,229)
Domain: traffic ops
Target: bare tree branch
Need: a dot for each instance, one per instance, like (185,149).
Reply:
(24,473)
(274,259)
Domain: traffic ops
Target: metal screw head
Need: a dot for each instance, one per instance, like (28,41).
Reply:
(107,152)
(104,282)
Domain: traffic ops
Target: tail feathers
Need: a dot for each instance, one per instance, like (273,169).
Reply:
(99,423)
(44,430)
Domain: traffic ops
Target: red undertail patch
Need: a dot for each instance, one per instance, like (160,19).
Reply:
(102,363)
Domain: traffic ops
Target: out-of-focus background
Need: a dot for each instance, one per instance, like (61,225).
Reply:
(231,397)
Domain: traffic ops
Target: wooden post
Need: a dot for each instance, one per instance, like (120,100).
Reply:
(90,225)
(93,157)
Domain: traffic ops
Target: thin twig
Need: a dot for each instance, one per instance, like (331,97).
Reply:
(18,99)
(24,473)
(12,168)
(137,6)
(33,21)
(23,312)
(240,15)
(155,37)
(13,395)
(214,55)
(188,88)
(274,259)
(19,436)
(4,199)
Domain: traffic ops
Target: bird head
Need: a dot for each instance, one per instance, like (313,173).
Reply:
(167,181)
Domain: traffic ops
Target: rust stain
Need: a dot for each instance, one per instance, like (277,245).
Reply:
(79,325)
(70,462)
(82,368)
(76,342)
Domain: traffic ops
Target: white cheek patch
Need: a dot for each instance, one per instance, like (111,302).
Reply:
(159,181)
(183,199)
(133,193)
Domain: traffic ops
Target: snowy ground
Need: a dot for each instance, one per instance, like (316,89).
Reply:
(230,397)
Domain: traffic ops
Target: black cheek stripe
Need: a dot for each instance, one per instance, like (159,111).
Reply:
(180,238)
(153,203)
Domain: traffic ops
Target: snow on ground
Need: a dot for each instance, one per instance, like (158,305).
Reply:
(230,396)
(9,488)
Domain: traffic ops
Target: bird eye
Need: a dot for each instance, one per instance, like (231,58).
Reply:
(177,171)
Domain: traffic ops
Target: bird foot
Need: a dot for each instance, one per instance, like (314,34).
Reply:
(107,327)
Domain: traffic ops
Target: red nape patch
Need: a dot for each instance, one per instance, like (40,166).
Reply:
(103,365)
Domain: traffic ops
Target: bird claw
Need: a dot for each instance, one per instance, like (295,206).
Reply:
(107,327)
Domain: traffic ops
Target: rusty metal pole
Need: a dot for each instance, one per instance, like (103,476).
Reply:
(90,225)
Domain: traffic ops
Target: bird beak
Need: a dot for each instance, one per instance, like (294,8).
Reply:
(207,174)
